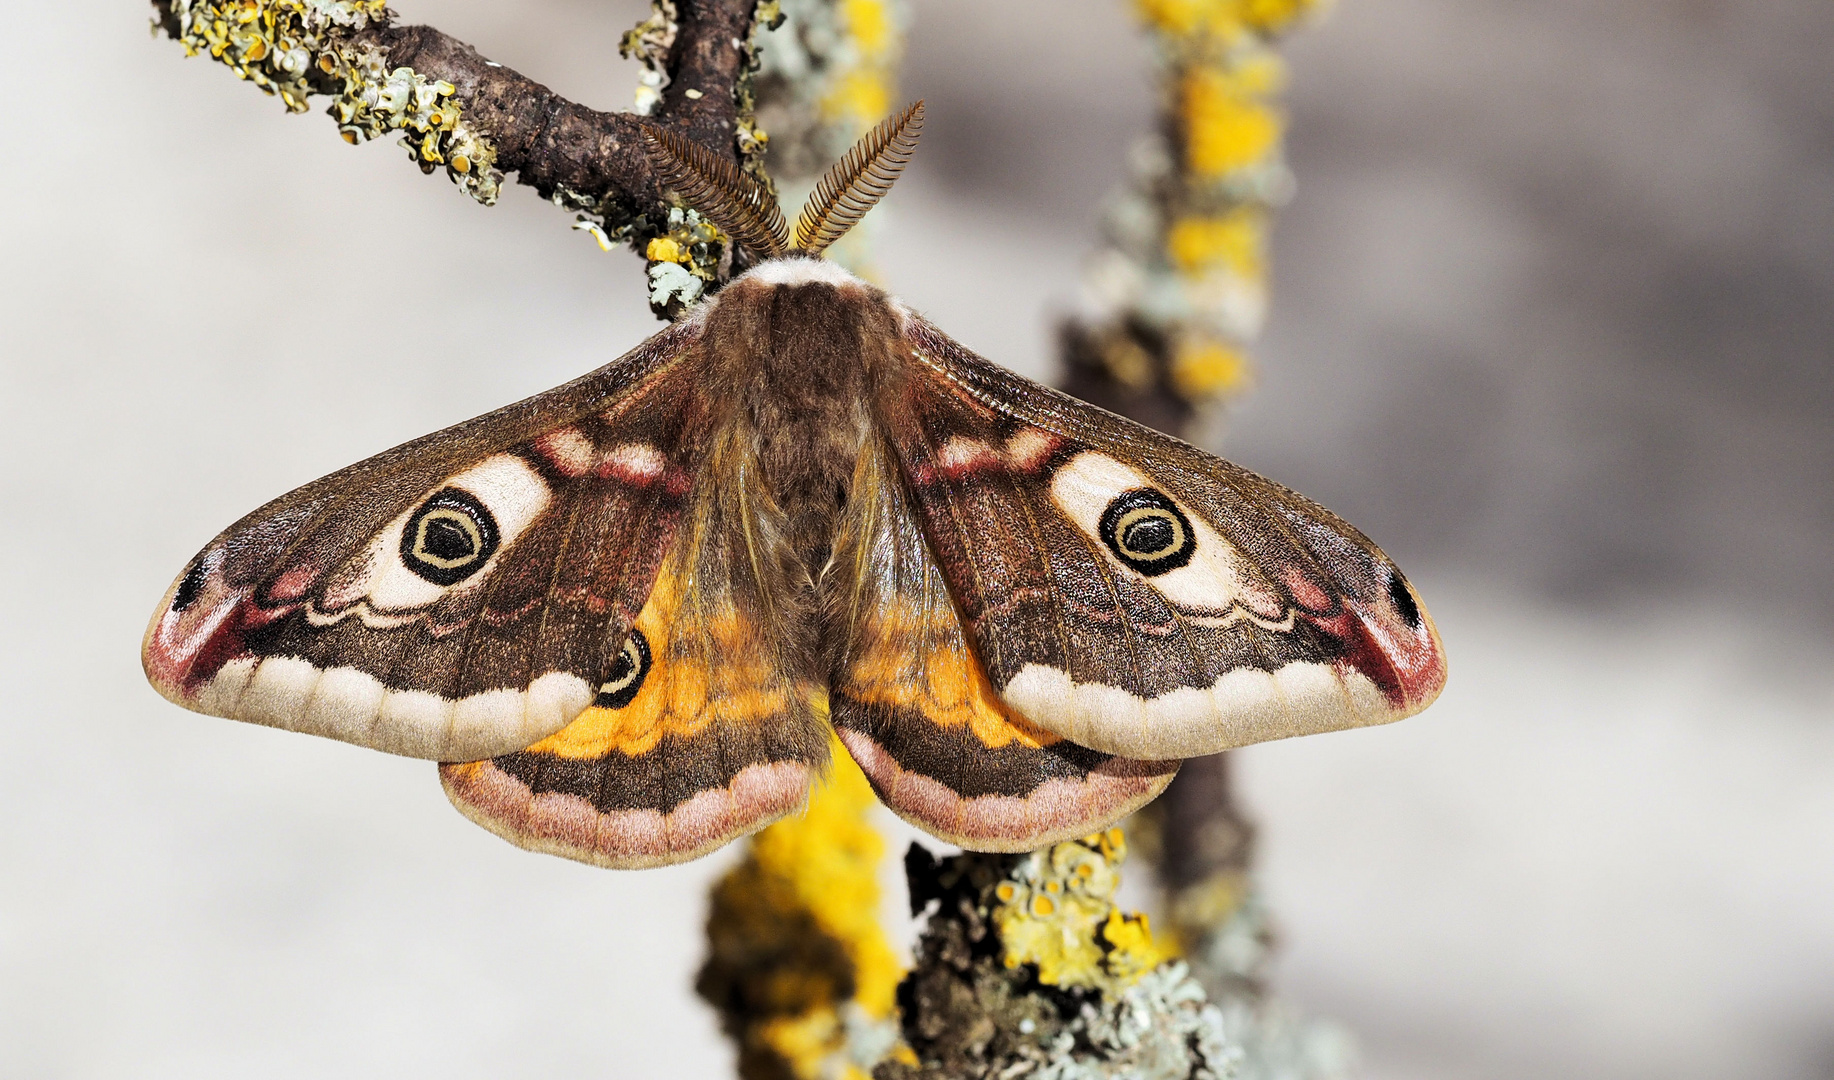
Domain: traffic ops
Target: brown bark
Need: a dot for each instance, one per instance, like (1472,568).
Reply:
(552,144)
(708,59)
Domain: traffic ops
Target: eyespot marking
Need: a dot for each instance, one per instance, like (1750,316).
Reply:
(1148,532)
(190,587)
(627,673)
(449,538)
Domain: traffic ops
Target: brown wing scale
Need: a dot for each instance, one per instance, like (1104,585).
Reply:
(1132,593)
(912,703)
(456,596)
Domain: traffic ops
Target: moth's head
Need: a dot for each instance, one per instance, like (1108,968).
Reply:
(746,209)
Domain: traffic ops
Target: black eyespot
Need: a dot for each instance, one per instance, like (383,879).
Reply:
(627,672)
(1403,598)
(1148,532)
(449,538)
(190,587)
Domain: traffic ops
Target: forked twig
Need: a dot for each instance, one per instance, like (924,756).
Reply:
(859,180)
(738,203)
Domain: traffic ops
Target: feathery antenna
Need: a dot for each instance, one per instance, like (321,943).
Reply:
(859,180)
(739,204)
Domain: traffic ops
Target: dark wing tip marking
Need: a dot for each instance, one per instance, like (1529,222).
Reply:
(190,586)
(1403,598)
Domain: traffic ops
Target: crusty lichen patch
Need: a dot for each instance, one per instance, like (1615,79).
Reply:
(1028,969)
(294,49)
(683,260)
(1056,911)
(650,43)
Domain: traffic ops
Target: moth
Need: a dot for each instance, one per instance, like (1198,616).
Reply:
(629,613)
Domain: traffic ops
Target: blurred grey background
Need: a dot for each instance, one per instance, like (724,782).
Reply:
(1553,318)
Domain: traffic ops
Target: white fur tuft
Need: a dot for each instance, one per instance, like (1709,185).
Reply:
(799,270)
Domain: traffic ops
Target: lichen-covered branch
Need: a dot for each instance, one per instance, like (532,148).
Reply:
(798,966)
(478,120)
(1026,968)
(1179,292)
(1181,286)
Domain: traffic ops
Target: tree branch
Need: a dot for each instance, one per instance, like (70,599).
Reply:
(707,62)
(480,119)
(550,143)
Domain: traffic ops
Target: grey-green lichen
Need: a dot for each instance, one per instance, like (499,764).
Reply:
(650,43)
(1277,1043)
(294,49)
(686,253)
(1027,969)
(753,140)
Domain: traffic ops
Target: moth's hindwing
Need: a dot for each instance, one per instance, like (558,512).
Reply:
(913,705)
(1134,594)
(459,596)
(702,732)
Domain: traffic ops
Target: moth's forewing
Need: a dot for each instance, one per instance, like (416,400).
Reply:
(705,730)
(462,595)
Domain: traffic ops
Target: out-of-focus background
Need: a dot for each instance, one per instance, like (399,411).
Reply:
(1553,321)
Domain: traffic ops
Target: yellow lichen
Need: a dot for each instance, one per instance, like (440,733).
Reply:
(665,249)
(874,30)
(296,48)
(855,96)
(859,90)
(1233,242)
(1218,18)
(830,855)
(1183,288)
(1057,913)
(1205,367)
(1227,125)
(813,877)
